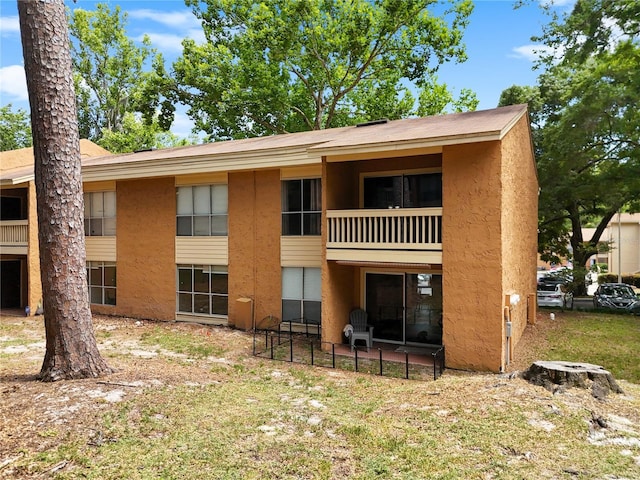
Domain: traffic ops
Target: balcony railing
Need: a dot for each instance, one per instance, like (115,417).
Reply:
(396,229)
(14,232)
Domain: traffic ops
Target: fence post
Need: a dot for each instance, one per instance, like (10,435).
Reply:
(333,355)
(311,352)
(291,349)
(272,347)
(406,365)
(380,352)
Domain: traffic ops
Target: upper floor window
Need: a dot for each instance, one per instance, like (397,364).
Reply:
(101,278)
(403,191)
(100,214)
(202,210)
(301,206)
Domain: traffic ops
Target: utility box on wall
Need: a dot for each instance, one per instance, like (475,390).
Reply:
(244,314)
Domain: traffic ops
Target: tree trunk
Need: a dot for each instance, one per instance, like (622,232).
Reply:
(71,350)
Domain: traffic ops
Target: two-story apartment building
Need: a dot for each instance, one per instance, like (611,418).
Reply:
(429,224)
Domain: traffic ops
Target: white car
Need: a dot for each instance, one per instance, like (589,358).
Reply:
(554,295)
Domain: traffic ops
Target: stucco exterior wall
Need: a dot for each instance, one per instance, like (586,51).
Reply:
(34,283)
(254,243)
(145,236)
(471,256)
(519,225)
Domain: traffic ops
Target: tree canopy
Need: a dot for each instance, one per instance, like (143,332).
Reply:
(587,128)
(112,75)
(15,129)
(288,65)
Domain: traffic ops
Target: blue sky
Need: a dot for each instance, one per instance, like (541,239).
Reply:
(499,47)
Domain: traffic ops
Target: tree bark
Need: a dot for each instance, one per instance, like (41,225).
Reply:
(71,350)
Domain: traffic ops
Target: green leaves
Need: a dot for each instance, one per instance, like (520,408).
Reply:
(285,66)
(15,129)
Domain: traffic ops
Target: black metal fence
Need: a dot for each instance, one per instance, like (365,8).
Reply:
(303,347)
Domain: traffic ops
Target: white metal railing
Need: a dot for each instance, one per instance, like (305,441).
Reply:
(398,228)
(14,232)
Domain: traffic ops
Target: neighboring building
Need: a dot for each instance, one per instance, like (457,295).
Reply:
(19,252)
(623,236)
(429,224)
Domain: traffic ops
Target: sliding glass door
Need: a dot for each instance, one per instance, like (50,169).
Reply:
(404,308)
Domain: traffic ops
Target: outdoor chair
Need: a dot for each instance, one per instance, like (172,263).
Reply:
(361,330)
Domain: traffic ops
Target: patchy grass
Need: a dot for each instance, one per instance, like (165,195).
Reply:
(244,417)
(610,340)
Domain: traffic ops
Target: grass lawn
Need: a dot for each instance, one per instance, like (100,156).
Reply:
(190,402)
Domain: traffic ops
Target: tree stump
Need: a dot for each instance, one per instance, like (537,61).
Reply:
(558,376)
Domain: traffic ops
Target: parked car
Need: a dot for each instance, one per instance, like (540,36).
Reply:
(616,296)
(554,294)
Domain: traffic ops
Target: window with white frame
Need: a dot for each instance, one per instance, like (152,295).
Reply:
(301,206)
(100,214)
(202,210)
(203,289)
(101,278)
(301,295)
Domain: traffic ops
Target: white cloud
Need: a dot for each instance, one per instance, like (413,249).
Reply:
(9,26)
(183,20)
(13,83)
(530,52)
(171,42)
(182,125)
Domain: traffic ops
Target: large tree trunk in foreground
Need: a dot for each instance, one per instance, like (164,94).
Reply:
(72,351)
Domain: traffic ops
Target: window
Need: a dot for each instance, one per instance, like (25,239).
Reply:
(202,210)
(301,295)
(403,191)
(203,289)
(101,277)
(301,206)
(100,214)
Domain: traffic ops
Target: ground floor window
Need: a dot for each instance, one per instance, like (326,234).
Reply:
(301,295)
(101,277)
(203,289)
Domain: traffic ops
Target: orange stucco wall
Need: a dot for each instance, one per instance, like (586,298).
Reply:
(145,249)
(34,284)
(471,256)
(519,226)
(254,243)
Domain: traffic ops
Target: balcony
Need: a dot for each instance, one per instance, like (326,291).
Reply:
(405,235)
(14,236)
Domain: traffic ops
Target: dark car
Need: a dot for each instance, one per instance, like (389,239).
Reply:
(616,296)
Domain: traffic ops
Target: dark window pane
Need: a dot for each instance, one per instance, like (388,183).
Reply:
(201,304)
(110,296)
(200,280)
(184,226)
(110,275)
(312,223)
(184,280)
(201,226)
(423,190)
(95,226)
(311,195)
(95,273)
(382,192)
(109,226)
(219,225)
(312,311)
(291,196)
(291,224)
(219,283)
(184,302)
(220,305)
(96,295)
(291,310)
(87,227)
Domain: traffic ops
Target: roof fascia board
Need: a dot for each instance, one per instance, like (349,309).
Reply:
(206,164)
